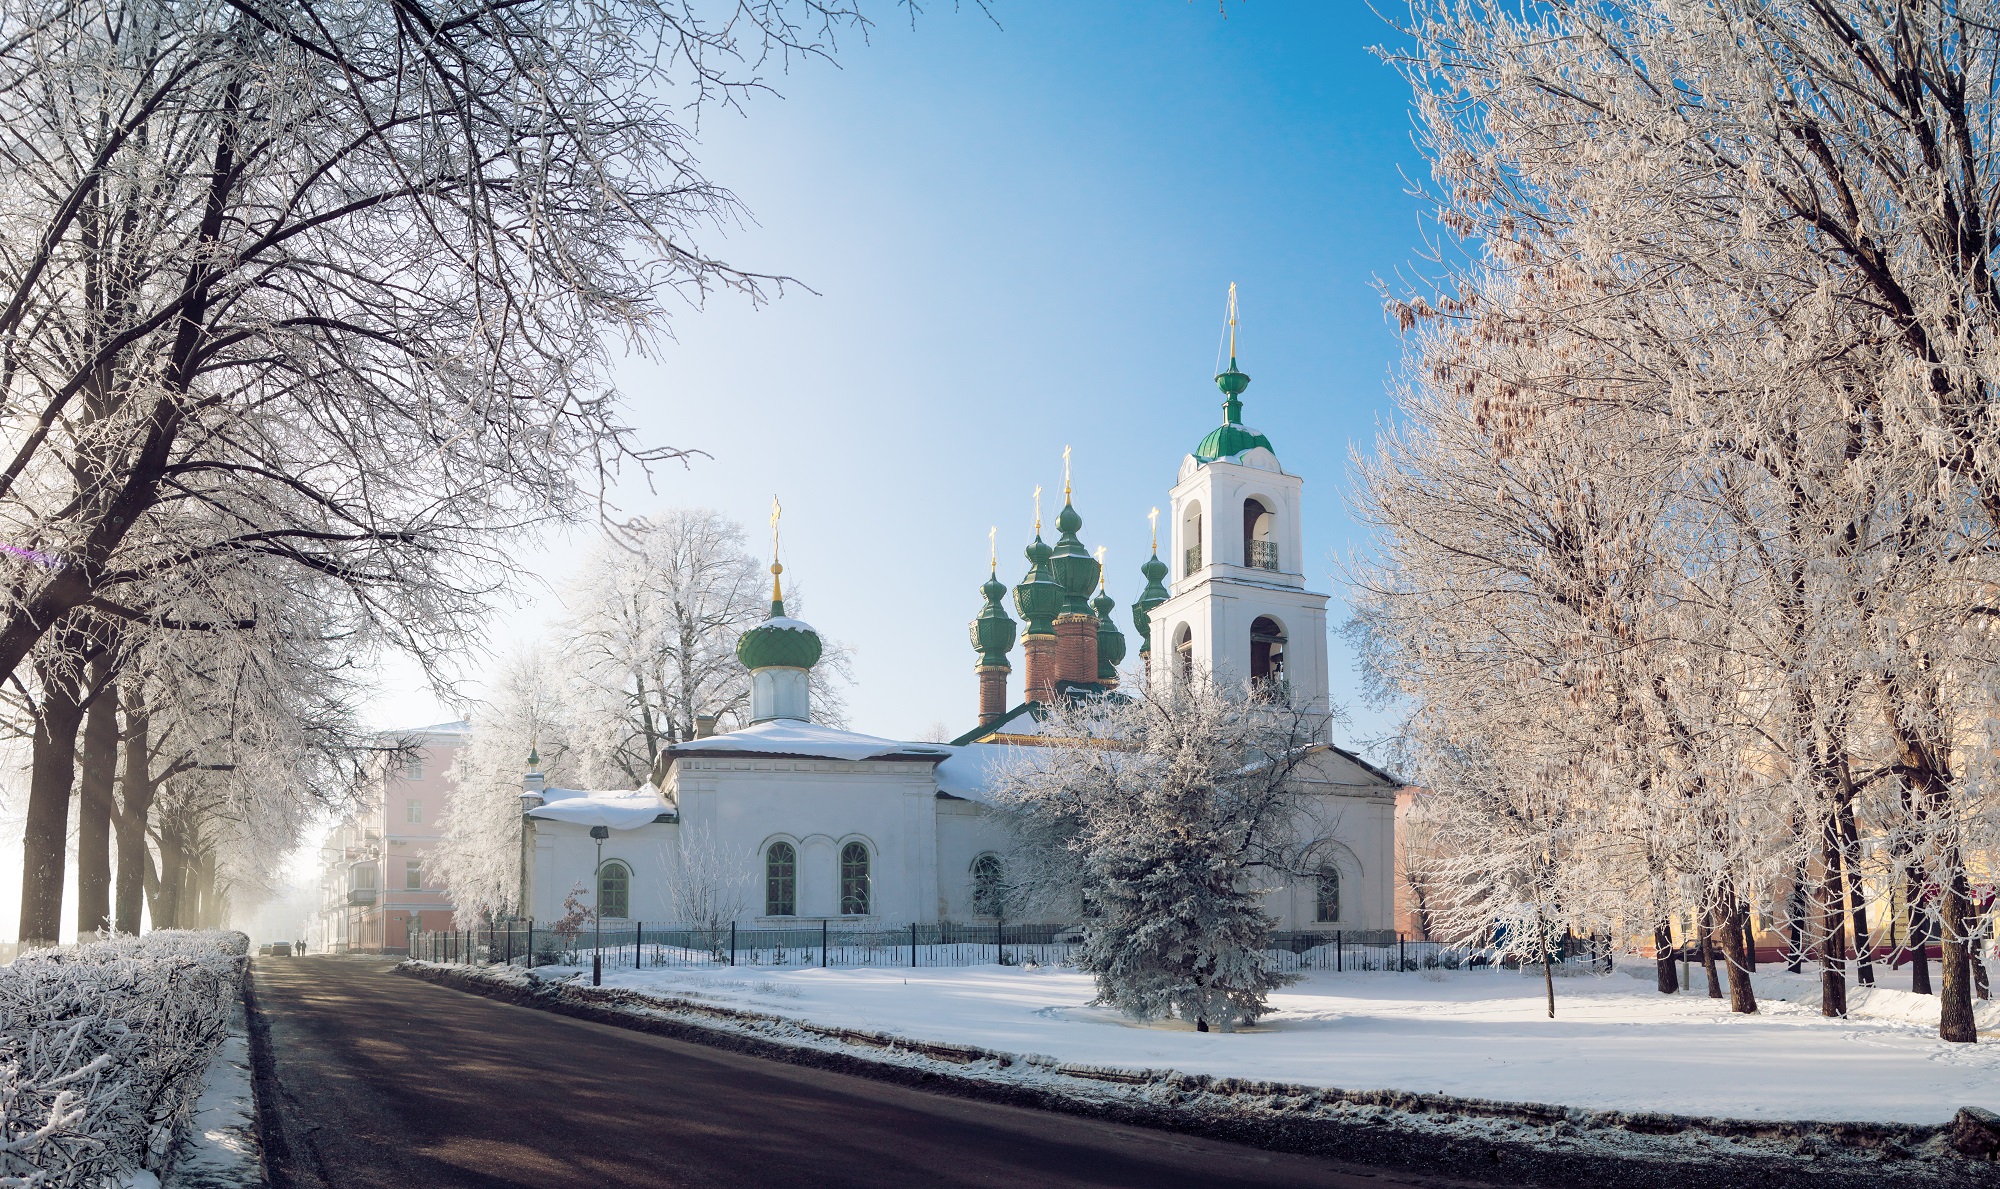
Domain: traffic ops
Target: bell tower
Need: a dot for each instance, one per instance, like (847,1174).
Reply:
(1237,604)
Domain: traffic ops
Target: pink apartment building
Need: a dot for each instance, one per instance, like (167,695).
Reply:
(373,876)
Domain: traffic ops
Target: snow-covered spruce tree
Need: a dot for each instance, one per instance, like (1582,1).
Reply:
(1166,818)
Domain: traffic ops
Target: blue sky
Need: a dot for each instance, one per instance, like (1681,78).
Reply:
(1020,237)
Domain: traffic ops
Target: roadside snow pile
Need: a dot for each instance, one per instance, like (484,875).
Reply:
(103,1048)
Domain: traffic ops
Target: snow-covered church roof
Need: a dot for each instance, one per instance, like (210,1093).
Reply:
(790,737)
(619,809)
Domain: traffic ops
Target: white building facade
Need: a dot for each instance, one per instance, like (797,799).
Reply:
(814,824)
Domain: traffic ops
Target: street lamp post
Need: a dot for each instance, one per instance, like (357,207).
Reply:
(600,833)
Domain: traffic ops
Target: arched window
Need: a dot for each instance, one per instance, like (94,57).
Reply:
(1191,559)
(1267,649)
(781,880)
(1328,898)
(988,898)
(1260,547)
(614,890)
(854,880)
(1184,652)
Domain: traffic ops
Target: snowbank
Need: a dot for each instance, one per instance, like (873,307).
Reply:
(617,809)
(1534,1142)
(1615,1044)
(103,1051)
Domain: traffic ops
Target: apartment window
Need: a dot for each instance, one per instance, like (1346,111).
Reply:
(414,769)
(413,875)
(413,811)
(364,876)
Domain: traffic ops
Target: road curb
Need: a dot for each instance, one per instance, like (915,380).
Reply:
(1525,1142)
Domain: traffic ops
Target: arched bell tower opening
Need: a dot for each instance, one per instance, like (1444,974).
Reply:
(1260,543)
(1191,551)
(1184,652)
(1267,649)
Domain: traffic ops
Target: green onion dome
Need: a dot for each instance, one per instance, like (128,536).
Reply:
(993,629)
(1149,598)
(1039,597)
(1110,641)
(780,641)
(1074,567)
(1232,437)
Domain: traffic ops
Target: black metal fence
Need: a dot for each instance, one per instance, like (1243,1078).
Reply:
(636,945)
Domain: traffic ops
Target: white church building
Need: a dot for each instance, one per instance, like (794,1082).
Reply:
(820,824)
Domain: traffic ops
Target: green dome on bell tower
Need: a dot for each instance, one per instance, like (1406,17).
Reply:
(1232,437)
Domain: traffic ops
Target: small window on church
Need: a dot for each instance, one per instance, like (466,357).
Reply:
(1184,652)
(614,891)
(781,880)
(988,899)
(1267,649)
(854,880)
(1329,896)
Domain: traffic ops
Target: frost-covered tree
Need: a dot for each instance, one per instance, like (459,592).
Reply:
(655,613)
(1167,817)
(478,856)
(1692,492)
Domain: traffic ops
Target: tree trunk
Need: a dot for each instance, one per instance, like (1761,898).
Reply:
(1920,935)
(1707,943)
(1833,945)
(95,806)
(1850,865)
(1549,981)
(1795,939)
(1663,959)
(173,880)
(1742,996)
(131,820)
(53,771)
(1955,1021)
(1749,925)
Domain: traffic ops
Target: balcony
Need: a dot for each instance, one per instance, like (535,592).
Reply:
(1261,555)
(1191,561)
(361,896)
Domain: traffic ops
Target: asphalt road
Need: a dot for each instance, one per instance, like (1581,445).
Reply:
(385,1081)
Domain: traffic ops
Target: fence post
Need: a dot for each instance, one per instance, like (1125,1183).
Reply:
(1401,961)
(638,939)
(732,943)
(531,943)
(1339,961)
(913,945)
(822,943)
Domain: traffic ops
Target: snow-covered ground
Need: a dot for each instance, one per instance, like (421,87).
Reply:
(1615,1044)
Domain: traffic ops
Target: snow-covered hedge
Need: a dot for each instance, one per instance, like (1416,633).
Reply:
(102,1051)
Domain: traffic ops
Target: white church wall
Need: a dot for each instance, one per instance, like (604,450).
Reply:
(566,855)
(820,806)
(965,831)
